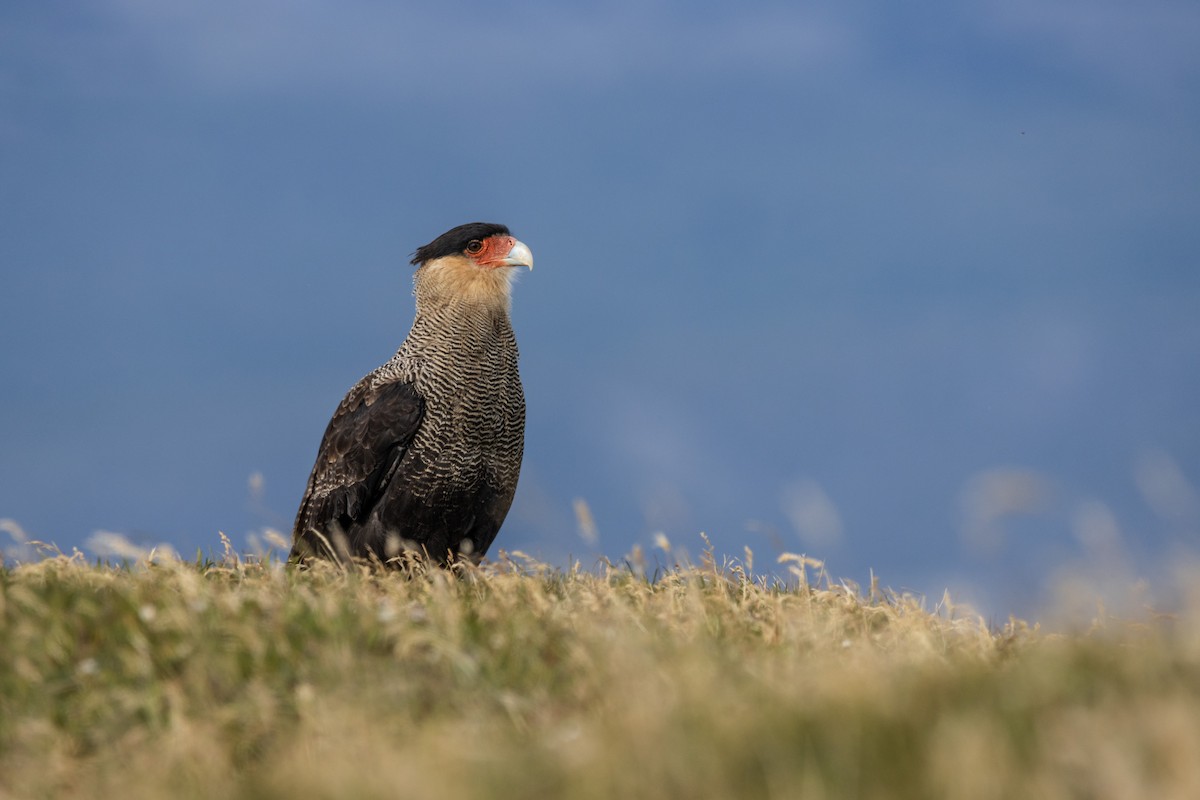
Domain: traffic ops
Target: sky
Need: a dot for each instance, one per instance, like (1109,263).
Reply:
(914,291)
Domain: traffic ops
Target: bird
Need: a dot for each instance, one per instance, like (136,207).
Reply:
(424,453)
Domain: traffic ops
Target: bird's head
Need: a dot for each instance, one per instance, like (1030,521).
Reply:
(471,262)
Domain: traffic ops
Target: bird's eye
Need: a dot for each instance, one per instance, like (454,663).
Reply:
(474,247)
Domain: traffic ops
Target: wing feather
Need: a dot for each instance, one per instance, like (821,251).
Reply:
(362,448)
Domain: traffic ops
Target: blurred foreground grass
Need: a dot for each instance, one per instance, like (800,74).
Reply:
(238,679)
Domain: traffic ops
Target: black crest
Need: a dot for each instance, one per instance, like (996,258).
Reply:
(456,240)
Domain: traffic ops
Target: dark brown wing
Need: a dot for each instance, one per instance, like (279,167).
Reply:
(363,445)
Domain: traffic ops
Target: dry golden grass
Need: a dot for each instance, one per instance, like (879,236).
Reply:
(238,679)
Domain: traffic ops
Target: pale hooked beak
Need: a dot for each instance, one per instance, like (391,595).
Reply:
(519,256)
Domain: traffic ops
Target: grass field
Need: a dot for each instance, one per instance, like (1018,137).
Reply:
(247,680)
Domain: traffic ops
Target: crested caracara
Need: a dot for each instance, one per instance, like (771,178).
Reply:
(424,452)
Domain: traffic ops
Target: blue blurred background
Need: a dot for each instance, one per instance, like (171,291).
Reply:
(911,290)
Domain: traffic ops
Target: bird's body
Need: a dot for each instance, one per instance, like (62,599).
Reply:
(425,451)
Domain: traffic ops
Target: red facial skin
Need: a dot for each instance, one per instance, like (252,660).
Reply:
(493,251)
